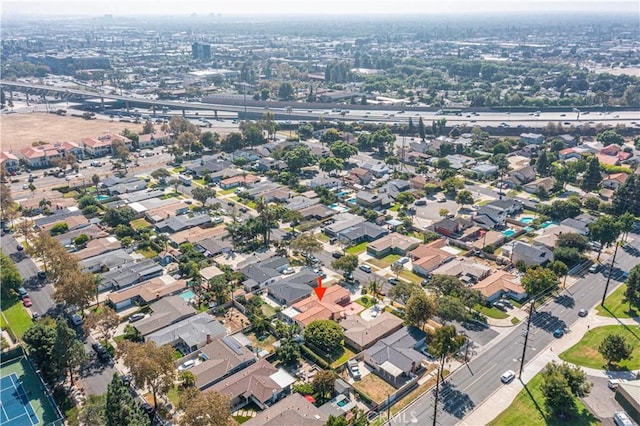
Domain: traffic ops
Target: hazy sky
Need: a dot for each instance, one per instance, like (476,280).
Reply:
(325,7)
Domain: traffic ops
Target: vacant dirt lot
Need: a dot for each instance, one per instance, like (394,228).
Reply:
(22,129)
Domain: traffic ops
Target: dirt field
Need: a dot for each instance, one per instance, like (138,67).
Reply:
(22,129)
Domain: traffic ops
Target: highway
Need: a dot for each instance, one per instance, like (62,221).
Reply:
(469,386)
(297,111)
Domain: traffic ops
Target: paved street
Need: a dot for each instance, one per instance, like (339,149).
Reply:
(468,387)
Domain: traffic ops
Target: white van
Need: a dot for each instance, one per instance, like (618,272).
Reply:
(621,419)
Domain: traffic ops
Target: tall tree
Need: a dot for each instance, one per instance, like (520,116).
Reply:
(93,411)
(421,129)
(150,366)
(543,165)
(202,194)
(446,342)
(347,263)
(402,291)
(420,308)
(205,408)
(103,321)
(68,352)
(604,230)
(614,348)
(324,334)
(267,216)
(537,280)
(592,177)
(306,243)
(40,339)
(323,383)
(632,292)
(121,408)
(10,278)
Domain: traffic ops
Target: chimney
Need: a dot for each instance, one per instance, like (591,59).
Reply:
(208,339)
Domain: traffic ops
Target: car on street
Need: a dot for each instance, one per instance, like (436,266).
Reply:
(35,316)
(621,419)
(337,254)
(365,268)
(507,376)
(19,247)
(25,186)
(26,302)
(22,292)
(582,313)
(442,200)
(42,275)
(558,333)
(420,202)
(393,281)
(288,271)
(594,268)
(101,351)
(76,320)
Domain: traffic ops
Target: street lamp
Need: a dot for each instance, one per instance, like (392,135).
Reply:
(289,109)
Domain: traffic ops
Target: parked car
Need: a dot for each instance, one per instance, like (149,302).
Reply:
(621,419)
(507,376)
(76,320)
(19,247)
(393,281)
(420,202)
(558,333)
(42,275)
(506,303)
(594,268)
(337,254)
(26,302)
(499,305)
(136,317)
(186,365)
(333,240)
(582,313)
(365,268)
(614,383)
(403,260)
(35,316)
(22,292)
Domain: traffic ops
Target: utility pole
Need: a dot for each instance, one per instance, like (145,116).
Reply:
(435,404)
(526,338)
(606,287)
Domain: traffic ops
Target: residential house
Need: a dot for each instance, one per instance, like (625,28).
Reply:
(532,138)
(370,200)
(489,238)
(427,257)
(73,222)
(325,182)
(131,273)
(165,209)
(361,334)
(300,202)
(465,269)
(145,293)
(292,410)
(392,243)
(417,182)
(549,235)
(451,227)
(342,221)
(378,169)
(396,358)
(166,311)
(293,288)
(105,262)
(9,161)
(214,246)
(365,231)
(247,155)
(484,171)
(260,383)
(103,145)
(568,140)
(530,255)
(265,164)
(394,187)
(97,247)
(524,175)
(222,357)
(318,212)
(195,234)
(332,306)
(500,284)
(92,231)
(458,162)
(490,217)
(613,181)
(534,187)
(180,223)
(239,180)
(579,224)
(568,153)
(362,176)
(190,334)
(259,274)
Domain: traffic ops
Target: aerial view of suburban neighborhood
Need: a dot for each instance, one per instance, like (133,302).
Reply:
(331,214)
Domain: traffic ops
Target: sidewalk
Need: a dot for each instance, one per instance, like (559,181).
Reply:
(504,396)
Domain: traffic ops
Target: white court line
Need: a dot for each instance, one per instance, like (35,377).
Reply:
(6,416)
(24,407)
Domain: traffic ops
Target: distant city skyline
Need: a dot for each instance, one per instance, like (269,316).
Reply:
(326,7)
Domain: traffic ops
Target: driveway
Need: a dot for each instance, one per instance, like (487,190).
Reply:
(432,210)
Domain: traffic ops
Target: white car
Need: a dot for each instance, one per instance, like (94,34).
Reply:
(507,376)
(186,365)
(288,271)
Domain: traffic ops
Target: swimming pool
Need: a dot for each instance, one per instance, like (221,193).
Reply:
(333,206)
(351,200)
(188,295)
(528,229)
(547,224)
(526,219)
(342,193)
(508,232)
(102,197)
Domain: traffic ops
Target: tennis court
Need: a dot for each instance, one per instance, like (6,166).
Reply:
(15,408)
(24,398)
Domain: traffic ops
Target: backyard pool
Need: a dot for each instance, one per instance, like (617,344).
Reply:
(188,295)
(526,219)
(508,232)
(528,229)
(547,224)
(337,207)
(342,193)
(351,200)
(102,197)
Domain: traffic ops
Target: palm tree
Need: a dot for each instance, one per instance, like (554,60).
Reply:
(267,219)
(44,204)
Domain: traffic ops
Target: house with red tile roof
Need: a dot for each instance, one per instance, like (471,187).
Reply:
(9,161)
(332,306)
(41,155)
(103,145)
(614,180)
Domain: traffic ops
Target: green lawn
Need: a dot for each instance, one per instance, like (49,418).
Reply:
(394,208)
(140,224)
(226,191)
(357,249)
(268,310)
(173,395)
(346,355)
(585,352)
(410,276)
(321,236)
(614,305)
(385,261)
(529,408)
(365,301)
(148,253)
(491,312)
(18,319)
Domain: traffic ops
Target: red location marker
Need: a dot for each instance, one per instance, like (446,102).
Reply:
(320,290)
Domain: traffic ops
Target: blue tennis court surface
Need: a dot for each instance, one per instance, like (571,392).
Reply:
(15,408)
